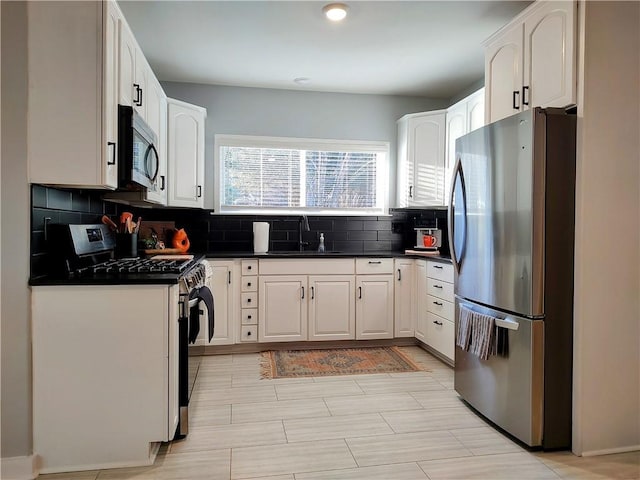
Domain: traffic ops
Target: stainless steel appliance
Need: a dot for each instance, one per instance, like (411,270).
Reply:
(138,157)
(511,225)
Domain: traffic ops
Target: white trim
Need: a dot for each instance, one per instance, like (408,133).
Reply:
(318,144)
(18,468)
(609,451)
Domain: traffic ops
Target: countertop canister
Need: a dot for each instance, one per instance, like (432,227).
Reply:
(260,237)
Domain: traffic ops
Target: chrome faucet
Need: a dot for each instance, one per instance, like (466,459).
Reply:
(303,226)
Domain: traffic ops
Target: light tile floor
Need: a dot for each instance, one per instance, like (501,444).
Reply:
(406,426)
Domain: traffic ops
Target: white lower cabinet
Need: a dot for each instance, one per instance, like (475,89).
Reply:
(282,308)
(222,287)
(404,298)
(374,306)
(332,307)
(421,299)
(439,329)
(104,374)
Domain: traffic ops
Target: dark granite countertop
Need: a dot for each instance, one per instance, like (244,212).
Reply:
(312,254)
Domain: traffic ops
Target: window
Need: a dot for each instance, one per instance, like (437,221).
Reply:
(294,175)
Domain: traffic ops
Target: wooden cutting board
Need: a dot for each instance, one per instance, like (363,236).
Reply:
(163,251)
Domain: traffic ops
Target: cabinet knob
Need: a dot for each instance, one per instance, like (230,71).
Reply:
(248,300)
(248,334)
(249,267)
(249,284)
(249,316)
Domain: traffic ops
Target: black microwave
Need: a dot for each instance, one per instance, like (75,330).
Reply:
(138,157)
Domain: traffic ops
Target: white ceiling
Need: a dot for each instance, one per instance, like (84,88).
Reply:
(424,48)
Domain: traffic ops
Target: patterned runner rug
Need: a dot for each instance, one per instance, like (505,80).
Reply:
(339,361)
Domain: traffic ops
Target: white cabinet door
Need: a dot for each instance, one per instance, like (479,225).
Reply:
(73,72)
(421,140)
(282,308)
(156,105)
(456,127)
(221,285)
(503,74)
(332,313)
(374,306)
(404,318)
(127,64)
(185,149)
(440,335)
(532,62)
(462,118)
(421,300)
(426,148)
(549,46)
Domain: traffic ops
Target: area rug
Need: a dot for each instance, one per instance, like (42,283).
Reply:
(340,361)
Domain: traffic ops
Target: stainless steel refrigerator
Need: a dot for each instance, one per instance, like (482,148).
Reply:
(511,230)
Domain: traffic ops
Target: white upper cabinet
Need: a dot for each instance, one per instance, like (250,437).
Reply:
(135,73)
(531,62)
(73,74)
(185,147)
(462,118)
(421,139)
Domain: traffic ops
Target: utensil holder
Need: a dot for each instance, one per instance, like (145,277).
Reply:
(126,245)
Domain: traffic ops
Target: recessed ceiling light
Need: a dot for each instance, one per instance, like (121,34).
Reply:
(302,80)
(335,11)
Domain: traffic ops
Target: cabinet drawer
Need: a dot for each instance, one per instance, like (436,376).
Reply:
(249,267)
(249,333)
(440,271)
(440,307)
(374,265)
(249,299)
(440,289)
(440,335)
(250,284)
(249,316)
(310,266)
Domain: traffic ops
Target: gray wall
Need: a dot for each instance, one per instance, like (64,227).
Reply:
(290,113)
(16,337)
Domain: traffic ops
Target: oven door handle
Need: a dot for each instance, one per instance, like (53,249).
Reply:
(204,294)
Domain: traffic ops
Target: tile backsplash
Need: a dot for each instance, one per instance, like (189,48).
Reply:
(233,233)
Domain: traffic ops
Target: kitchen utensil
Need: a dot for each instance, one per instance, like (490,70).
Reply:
(110,223)
(137,229)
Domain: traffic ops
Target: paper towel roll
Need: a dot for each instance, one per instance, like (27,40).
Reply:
(260,237)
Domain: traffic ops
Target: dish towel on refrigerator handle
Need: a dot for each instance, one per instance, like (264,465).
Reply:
(479,334)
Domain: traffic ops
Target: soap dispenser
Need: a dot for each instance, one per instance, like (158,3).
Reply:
(321,244)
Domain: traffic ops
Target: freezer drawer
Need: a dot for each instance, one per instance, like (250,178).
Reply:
(508,390)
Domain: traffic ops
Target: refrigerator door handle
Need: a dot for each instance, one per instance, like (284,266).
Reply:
(506,323)
(456,257)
